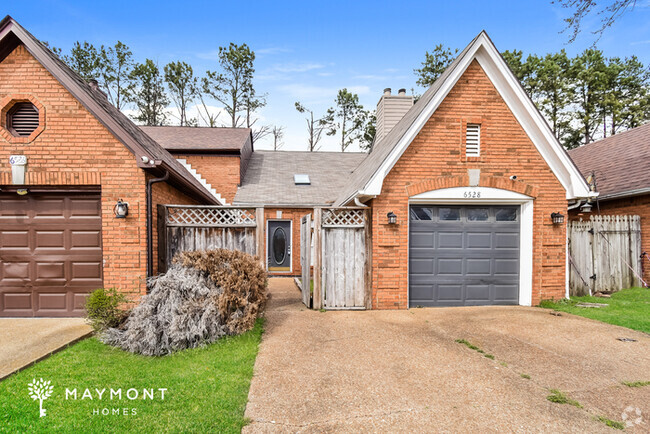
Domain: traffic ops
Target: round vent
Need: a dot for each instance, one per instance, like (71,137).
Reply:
(22,119)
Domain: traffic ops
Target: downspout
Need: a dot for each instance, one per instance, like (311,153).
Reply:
(149,222)
(358,203)
(575,205)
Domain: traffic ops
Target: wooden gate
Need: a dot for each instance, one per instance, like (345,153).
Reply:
(195,227)
(344,258)
(604,254)
(305,259)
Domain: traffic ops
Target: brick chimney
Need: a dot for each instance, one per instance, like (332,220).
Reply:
(390,109)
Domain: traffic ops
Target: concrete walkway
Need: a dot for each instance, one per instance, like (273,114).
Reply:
(26,340)
(402,371)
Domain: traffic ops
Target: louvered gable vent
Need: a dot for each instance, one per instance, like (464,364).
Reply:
(23,118)
(473,140)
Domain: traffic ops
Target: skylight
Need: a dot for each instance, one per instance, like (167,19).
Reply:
(301,179)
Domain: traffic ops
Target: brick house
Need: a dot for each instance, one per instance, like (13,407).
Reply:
(619,167)
(78,155)
(471,173)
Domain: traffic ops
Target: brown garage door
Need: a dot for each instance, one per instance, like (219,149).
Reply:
(50,253)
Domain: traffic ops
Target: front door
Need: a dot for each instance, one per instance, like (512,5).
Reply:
(279,245)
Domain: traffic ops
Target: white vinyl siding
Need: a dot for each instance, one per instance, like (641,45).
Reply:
(473,140)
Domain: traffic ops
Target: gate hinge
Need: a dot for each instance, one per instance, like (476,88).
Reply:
(593,277)
(591,231)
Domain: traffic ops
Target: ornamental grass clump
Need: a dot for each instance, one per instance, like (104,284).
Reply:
(203,296)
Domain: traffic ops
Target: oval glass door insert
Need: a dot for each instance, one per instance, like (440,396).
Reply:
(279,245)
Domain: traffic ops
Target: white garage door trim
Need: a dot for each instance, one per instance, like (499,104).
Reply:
(491,196)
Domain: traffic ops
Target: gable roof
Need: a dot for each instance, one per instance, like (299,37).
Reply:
(133,138)
(269,178)
(620,163)
(367,180)
(199,138)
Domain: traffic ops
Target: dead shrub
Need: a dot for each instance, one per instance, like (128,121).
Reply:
(204,295)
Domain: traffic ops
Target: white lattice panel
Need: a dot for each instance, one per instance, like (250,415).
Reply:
(212,216)
(341,217)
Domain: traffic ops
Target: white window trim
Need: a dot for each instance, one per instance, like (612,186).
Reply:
(491,196)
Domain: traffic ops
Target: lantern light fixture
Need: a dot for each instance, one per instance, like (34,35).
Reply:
(392,218)
(586,207)
(557,218)
(121,209)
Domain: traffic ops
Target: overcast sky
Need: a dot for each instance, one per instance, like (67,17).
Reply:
(308,50)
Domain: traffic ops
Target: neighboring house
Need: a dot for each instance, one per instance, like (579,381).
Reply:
(62,239)
(620,168)
(471,171)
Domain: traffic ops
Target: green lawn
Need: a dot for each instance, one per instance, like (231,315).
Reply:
(207,389)
(628,308)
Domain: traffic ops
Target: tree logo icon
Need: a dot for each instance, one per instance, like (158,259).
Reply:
(40,390)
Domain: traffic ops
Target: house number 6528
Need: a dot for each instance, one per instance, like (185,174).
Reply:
(472,194)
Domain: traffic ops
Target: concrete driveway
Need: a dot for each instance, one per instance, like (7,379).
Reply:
(24,341)
(402,371)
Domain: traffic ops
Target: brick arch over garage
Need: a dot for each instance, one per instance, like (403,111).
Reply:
(441,182)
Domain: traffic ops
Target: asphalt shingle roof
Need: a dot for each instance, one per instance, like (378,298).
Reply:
(269,177)
(620,163)
(175,138)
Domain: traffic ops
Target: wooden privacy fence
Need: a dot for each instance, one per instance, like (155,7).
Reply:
(195,227)
(339,239)
(604,254)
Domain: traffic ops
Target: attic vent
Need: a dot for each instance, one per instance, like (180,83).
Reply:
(301,179)
(22,119)
(473,140)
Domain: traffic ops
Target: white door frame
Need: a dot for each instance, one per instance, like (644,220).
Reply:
(290,244)
(489,196)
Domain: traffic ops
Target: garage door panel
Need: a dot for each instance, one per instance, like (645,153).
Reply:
(506,293)
(478,266)
(505,267)
(56,301)
(82,239)
(52,256)
(506,240)
(421,292)
(13,208)
(14,239)
(476,293)
(475,260)
(450,266)
(450,240)
(450,293)
(422,266)
(49,240)
(479,240)
(421,240)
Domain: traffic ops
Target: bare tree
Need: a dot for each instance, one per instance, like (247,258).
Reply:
(278,136)
(316,127)
(582,8)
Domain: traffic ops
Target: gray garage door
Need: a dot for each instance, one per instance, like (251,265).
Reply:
(463,256)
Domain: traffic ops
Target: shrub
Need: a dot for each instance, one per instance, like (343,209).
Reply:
(202,297)
(103,309)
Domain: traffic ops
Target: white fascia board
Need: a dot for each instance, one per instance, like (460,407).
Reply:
(521,106)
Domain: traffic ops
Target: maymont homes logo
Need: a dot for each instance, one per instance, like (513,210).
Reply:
(40,390)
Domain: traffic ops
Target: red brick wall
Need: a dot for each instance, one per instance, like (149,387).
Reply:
(639,205)
(75,149)
(435,159)
(295,215)
(222,172)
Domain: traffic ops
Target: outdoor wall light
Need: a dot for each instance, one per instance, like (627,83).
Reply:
(392,218)
(586,207)
(557,218)
(121,209)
